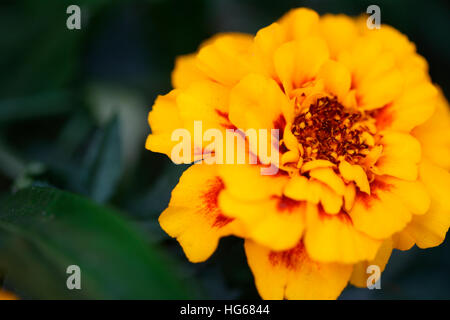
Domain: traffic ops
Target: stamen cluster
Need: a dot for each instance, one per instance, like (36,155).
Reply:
(329,131)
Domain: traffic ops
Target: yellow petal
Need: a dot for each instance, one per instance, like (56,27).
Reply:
(193,216)
(267,41)
(376,77)
(377,93)
(413,194)
(204,104)
(301,188)
(256,102)
(436,181)
(163,119)
(226,59)
(381,214)
(164,116)
(245,182)
(186,72)
(429,230)
(360,57)
(329,178)
(293,275)
(434,135)
(332,238)
(290,156)
(290,141)
(337,78)
(415,106)
(391,40)
(276,223)
(401,155)
(360,276)
(339,31)
(314,164)
(162,143)
(297,62)
(206,101)
(300,23)
(330,200)
(349,196)
(403,240)
(355,173)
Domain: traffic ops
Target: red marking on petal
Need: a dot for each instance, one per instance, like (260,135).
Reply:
(380,185)
(222,114)
(221,221)
(375,187)
(211,195)
(358,99)
(342,216)
(280,84)
(383,117)
(210,203)
(228,124)
(287,205)
(353,84)
(279,124)
(289,259)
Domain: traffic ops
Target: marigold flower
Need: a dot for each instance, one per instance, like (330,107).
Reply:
(364,151)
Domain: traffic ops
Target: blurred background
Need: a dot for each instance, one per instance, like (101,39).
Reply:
(73,109)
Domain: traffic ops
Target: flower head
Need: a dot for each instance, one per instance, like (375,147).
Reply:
(363,152)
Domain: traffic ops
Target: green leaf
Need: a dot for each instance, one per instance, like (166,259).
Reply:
(44,230)
(104,162)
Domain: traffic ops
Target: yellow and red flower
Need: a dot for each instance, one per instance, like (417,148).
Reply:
(364,151)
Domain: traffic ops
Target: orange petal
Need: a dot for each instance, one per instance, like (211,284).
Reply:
(401,155)
(415,106)
(297,62)
(330,200)
(186,72)
(300,23)
(277,223)
(301,188)
(434,135)
(256,102)
(337,78)
(193,216)
(329,178)
(314,164)
(381,214)
(206,101)
(332,238)
(226,59)
(245,182)
(267,41)
(349,196)
(429,230)
(292,274)
(413,194)
(355,173)
(339,31)
(360,273)
(376,93)
(163,119)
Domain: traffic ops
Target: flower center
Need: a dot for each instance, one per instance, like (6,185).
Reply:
(329,131)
